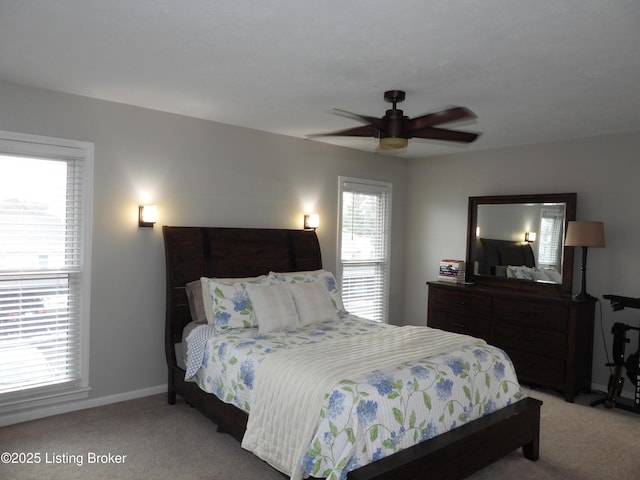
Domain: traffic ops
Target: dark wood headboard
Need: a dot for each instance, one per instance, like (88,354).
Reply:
(194,252)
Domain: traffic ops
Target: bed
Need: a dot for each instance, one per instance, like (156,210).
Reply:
(195,252)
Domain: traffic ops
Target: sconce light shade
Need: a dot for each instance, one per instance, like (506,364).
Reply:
(311,221)
(530,237)
(147,215)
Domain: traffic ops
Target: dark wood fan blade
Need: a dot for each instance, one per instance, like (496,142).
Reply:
(364,131)
(444,134)
(454,114)
(377,122)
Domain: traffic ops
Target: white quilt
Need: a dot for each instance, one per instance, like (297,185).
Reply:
(283,420)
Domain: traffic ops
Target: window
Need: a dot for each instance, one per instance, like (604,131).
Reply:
(549,244)
(44,269)
(363,245)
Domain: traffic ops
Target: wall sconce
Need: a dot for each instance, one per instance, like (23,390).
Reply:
(147,215)
(311,221)
(530,237)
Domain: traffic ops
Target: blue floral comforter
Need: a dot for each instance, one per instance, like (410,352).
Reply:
(225,363)
(368,416)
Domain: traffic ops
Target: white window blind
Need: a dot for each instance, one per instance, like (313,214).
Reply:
(365,220)
(551,231)
(43,268)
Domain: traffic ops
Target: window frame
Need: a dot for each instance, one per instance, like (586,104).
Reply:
(549,254)
(374,187)
(42,147)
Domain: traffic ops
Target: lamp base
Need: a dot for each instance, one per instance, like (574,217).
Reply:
(583,297)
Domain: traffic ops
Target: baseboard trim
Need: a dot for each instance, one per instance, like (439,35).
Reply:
(42,412)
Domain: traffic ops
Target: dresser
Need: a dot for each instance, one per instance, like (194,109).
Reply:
(548,338)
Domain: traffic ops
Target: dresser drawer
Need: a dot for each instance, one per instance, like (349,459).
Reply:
(460,302)
(531,340)
(531,314)
(452,322)
(538,369)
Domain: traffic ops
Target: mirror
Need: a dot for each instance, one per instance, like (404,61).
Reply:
(518,241)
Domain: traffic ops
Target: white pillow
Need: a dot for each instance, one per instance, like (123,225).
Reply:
(323,276)
(539,275)
(522,272)
(313,302)
(274,307)
(553,275)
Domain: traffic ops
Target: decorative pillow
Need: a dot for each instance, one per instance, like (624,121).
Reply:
(323,276)
(522,272)
(274,307)
(226,302)
(313,302)
(196,302)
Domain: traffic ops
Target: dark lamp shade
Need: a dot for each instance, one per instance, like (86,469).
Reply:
(585,234)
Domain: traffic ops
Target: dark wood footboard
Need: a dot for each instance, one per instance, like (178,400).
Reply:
(457,454)
(452,456)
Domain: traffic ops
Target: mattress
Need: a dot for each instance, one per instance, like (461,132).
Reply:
(368,415)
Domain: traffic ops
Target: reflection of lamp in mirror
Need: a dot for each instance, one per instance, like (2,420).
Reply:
(530,237)
(584,234)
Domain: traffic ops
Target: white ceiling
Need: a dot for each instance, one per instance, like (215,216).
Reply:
(532,70)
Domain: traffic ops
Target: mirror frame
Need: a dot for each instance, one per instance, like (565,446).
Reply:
(565,288)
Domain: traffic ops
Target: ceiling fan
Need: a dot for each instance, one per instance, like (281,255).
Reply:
(395,129)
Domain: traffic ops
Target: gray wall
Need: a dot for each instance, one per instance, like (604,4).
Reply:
(204,173)
(198,173)
(603,171)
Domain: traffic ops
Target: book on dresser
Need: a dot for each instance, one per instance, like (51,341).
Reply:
(548,338)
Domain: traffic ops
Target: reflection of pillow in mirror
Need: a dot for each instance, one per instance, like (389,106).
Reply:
(521,272)
(539,275)
(553,275)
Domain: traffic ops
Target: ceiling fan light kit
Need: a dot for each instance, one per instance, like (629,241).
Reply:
(395,129)
(393,143)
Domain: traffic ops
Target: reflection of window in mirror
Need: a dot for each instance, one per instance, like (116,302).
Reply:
(550,239)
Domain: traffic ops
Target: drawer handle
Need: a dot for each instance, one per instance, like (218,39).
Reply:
(530,339)
(460,302)
(458,325)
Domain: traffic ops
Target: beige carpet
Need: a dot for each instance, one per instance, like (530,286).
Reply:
(176,442)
